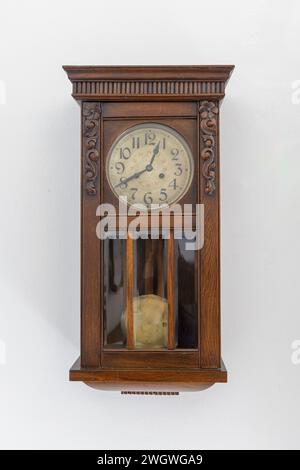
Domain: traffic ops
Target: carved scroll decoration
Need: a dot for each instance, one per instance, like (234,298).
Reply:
(91,112)
(208,129)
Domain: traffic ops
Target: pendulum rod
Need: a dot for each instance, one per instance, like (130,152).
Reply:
(170,291)
(129,290)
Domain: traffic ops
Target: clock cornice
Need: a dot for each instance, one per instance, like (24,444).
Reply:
(151,82)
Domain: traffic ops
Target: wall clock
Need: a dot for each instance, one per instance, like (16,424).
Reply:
(150,307)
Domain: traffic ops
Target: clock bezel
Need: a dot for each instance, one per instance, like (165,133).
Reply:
(166,128)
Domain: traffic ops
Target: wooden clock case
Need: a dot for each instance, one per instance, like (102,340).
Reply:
(113,98)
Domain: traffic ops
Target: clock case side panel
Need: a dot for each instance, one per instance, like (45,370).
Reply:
(209,255)
(91,143)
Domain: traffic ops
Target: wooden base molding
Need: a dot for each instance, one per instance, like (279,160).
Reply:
(165,380)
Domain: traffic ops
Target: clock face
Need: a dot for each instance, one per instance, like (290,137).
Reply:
(150,164)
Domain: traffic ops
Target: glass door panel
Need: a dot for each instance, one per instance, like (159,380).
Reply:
(186,295)
(149,294)
(114,257)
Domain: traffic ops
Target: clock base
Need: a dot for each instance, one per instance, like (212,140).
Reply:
(150,380)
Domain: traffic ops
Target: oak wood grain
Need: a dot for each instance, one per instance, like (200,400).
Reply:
(145,379)
(90,266)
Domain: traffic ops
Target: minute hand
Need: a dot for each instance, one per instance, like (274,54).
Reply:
(155,152)
(132,177)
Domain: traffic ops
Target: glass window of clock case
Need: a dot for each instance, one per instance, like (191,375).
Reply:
(149,302)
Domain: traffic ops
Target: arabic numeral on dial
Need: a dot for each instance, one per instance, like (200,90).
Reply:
(173,184)
(120,167)
(125,153)
(148,199)
(178,171)
(164,143)
(150,138)
(134,191)
(163,195)
(123,183)
(174,154)
(135,142)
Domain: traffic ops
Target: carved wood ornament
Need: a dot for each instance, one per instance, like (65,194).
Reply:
(208,130)
(91,123)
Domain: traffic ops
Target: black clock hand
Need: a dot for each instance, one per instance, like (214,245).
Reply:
(155,152)
(149,167)
(135,175)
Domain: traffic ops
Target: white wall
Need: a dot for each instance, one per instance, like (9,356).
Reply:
(39,203)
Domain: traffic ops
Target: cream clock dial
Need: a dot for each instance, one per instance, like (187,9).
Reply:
(150,164)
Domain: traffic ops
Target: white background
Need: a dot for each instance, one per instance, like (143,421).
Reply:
(39,317)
